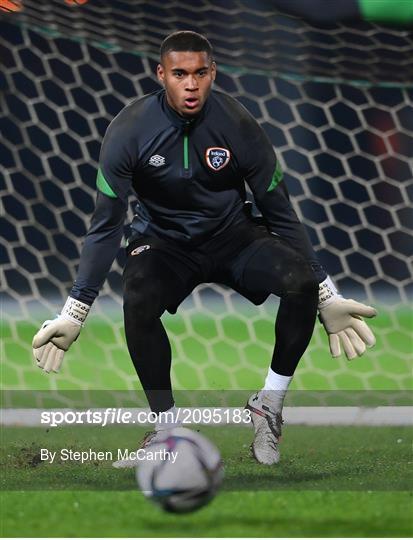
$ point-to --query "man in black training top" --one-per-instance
(187, 152)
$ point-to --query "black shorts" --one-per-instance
(245, 257)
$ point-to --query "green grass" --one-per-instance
(237, 514)
(331, 482)
(335, 481)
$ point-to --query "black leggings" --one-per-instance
(160, 277)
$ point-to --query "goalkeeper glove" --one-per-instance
(342, 322)
(56, 336)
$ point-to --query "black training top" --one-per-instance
(189, 176)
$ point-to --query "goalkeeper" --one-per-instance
(187, 153)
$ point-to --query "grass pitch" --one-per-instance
(332, 482)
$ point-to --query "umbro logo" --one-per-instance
(157, 161)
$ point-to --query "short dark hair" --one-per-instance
(184, 41)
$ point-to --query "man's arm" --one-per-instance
(99, 250)
(341, 318)
(264, 176)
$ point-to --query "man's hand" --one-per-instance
(52, 341)
(56, 336)
(342, 321)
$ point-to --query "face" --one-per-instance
(187, 78)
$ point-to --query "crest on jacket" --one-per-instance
(217, 158)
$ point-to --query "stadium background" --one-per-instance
(336, 102)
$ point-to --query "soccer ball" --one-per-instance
(181, 472)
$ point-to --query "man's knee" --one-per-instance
(143, 299)
(300, 279)
(309, 284)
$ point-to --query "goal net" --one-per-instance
(336, 102)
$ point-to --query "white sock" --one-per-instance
(275, 389)
(168, 419)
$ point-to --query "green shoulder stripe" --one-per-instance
(103, 186)
(276, 177)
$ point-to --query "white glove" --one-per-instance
(342, 321)
(56, 336)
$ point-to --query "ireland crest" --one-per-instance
(217, 158)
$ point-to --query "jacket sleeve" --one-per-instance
(102, 241)
(100, 248)
(264, 177)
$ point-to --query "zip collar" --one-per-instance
(180, 121)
